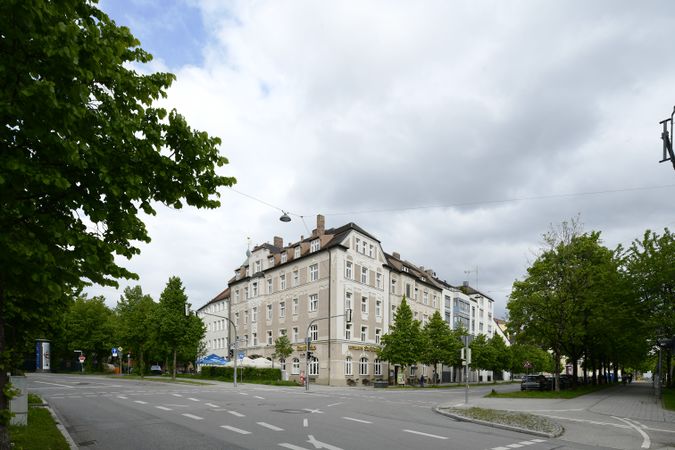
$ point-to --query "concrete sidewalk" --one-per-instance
(622, 417)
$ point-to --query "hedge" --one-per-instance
(243, 373)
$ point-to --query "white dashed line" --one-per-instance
(163, 408)
(235, 413)
(191, 416)
(425, 434)
(334, 404)
(271, 427)
(141, 402)
(236, 430)
(176, 395)
(212, 405)
(257, 396)
(292, 447)
(515, 446)
(356, 420)
(305, 423)
(122, 397)
(243, 393)
(193, 399)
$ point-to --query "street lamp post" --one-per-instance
(236, 340)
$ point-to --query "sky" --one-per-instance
(456, 132)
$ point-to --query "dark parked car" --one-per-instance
(535, 383)
(155, 370)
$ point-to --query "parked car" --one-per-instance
(156, 370)
(534, 383)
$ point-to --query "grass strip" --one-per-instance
(568, 393)
(669, 399)
(40, 433)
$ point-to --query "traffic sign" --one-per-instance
(527, 365)
(241, 355)
(114, 352)
(82, 358)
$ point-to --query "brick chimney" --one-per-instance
(396, 255)
(320, 224)
(278, 242)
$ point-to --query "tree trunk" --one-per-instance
(4, 379)
(141, 361)
(173, 369)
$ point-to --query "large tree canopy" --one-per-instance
(83, 152)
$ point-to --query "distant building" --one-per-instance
(214, 315)
(292, 289)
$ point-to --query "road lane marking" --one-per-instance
(646, 442)
(163, 408)
(236, 430)
(514, 446)
(538, 441)
(334, 404)
(317, 411)
(122, 397)
(425, 434)
(235, 413)
(305, 422)
(212, 405)
(356, 420)
(192, 416)
(243, 393)
(257, 396)
(271, 427)
(318, 444)
(141, 402)
(193, 399)
(55, 384)
(176, 395)
(292, 447)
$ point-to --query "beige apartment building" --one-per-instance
(303, 289)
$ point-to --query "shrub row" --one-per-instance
(245, 373)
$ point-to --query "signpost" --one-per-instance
(465, 355)
(82, 358)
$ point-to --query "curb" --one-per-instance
(59, 425)
(558, 432)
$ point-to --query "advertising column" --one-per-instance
(42, 363)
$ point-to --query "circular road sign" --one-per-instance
(82, 358)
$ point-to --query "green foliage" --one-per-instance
(135, 317)
(41, 433)
(282, 347)
(403, 342)
(441, 345)
(245, 373)
(541, 360)
(482, 353)
(89, 327)
(502, 354)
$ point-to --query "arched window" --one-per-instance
(377, 367)
(314, 366)
(363, 366)
(348, 365)
(295, 370)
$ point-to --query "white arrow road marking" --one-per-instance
(646, 442)
(425, 434)
(236, 430)
(192, 416)
(356, 420)
(271, 427)
(318, 444)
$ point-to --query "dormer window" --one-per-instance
(297, 252)
(247, 271)
(315, 245)
(258, 266)
(270, 261)
(284, 257)
(405, 269)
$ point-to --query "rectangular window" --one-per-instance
(246, 292)
(282, 332)
(426, 297)
(295, 368)
(269, 312)
(282, 310)
(295, 334)
(349, 272)
(236, 317)
(270, 261)
(236, 296)
(246, 317)
(364, 333)
(364, 275)
(434, 302)
(377, 367)
(357, 245)
(364, 305)
(315, 245)
(284, 257)
(269, 285)
(363, 366)
(348, 365)
(254, 315)
(378, 335)
(314, 332)
(313, 272)
(254, 288)
(258, 266)
(393, 286)
(295, 306)
(371, 252)
(417, 293)
(269, 337)
(348, 331)
(348, 300)
(296, 252)
(296, 277)
(282, 281)
(378, 279)
(408, 290)
(378, 308)
(255, 338)
(313, 302)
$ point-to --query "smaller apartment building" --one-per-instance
(303, 289)
(214, 315)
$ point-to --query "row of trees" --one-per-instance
(408, 343)
(146, 329)
(605, 308)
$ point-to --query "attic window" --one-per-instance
(284, 256)
(315, 245)
(405, 269)
(297, 252)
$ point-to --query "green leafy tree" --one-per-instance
(193, 347)
(282, 347)
(482, 353)
(135, 315)
(502, 354)
(540, 360)
(90, 327)
(404, 343)
(441, 345)
(174, 329)
(83, 152)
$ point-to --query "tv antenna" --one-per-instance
(667, 137)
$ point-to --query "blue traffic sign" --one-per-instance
(241, 355)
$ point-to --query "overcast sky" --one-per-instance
(454, 132)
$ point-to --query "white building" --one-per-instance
(214, 315)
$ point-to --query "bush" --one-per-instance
(244, 373)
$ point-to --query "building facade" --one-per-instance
(303, 289)
(214, 315)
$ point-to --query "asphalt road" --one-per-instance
(117, 413)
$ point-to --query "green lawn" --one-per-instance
(40, 433)
(669, 399)
(568, 393)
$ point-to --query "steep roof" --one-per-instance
(222, 296)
